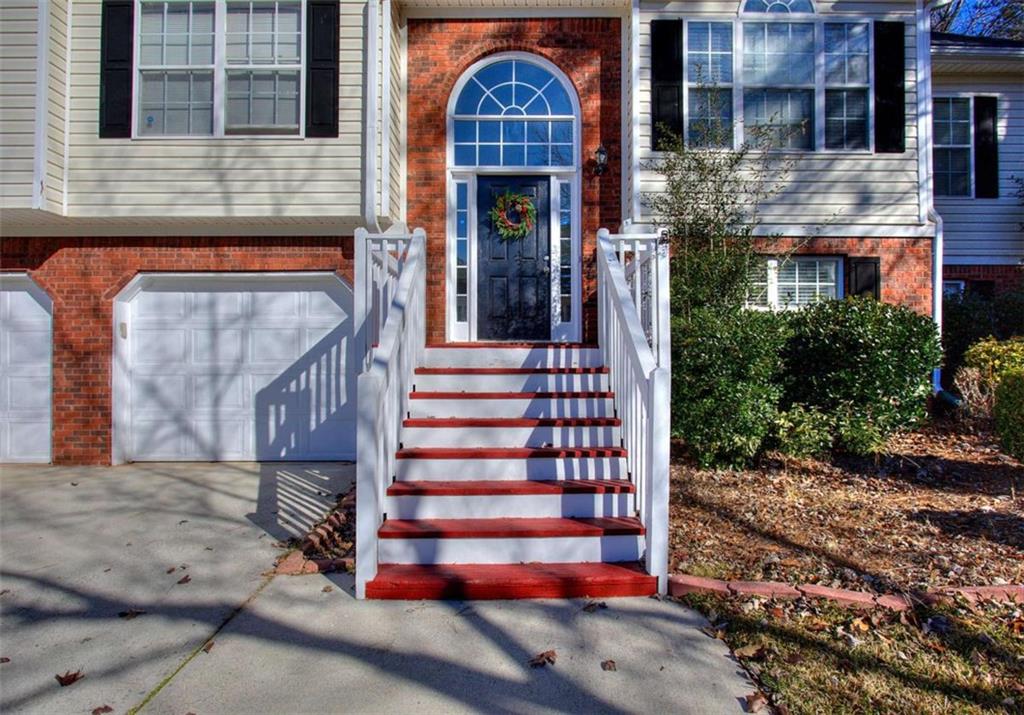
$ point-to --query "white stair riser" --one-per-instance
(521, 506)
(511, 382)
(510, 437)
(512, 357)
(411, 470)
(591, 549)
(526, 407)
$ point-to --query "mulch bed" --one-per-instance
(942, 508)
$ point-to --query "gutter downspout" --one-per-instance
(924, 153)
(42, 114)
(370, 117)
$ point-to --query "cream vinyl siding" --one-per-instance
(18, 41)
(856, 189)
(56, 113)
(988, 231)
(224, 177)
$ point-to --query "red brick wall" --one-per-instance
(1005, 278)
(587, 50)
(84, 275)
(906, 264)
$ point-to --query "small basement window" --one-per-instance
(794, 282)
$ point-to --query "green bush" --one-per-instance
(1009, 412)
(803, 432)
(994, 358)
(866, 362)
(726, 382)
(968, 318)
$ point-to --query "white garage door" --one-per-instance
(25, 338)
(238, 367)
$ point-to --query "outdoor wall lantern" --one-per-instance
(600, 160)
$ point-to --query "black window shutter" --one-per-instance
(322, 31)
(890, 88)
(666, 79)
(116, 48)
(986, 150)
(864, 277)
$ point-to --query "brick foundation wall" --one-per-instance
(1002, 278)
(83, 277)
(587, 50)
(906, 263)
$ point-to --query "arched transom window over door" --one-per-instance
(514, 114)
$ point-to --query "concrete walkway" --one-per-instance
(78, 546)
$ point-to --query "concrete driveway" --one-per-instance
(79, 546)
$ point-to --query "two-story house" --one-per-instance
(198, 198)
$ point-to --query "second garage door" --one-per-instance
(235, 367)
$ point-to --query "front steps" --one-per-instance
(510, 481)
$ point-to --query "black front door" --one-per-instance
(513, 276)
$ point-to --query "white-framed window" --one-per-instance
(847, 85)
(219, 67)
(176, 68)
(779, 86)
(953, 289)
(709, 79)
(953, 153)
(462, 252)
(565, 252)
(514, 113)
(807, 80)
(794, 281)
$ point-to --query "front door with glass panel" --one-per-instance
(513, 271)
(513, 131)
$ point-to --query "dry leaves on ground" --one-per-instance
(540, 660)
(595, 606)
(130, 614)
(609, 665)
(69, 678)
(185, 579)
(756, 702)
(102, 710)
(942, 508)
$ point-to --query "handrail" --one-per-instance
(379, 262)
(636, 348)
(383, 395)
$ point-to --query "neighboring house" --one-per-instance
(207, 254)
(979, 152)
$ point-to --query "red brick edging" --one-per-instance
(681, 585)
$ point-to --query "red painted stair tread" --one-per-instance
(509, 453)
(595, 395)
(494, 581)
(511, 488)
(512, 371)
(491, 345)
(509, 528)
(437, 422)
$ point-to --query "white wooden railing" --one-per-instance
(633, 333)
(380, 259)
(384, 386)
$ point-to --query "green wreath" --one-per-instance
(508, 229)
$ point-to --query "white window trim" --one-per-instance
(772, 267)
(953, 288)
(738, 86)
(969, 96)
(572, 330)
(220, 69)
